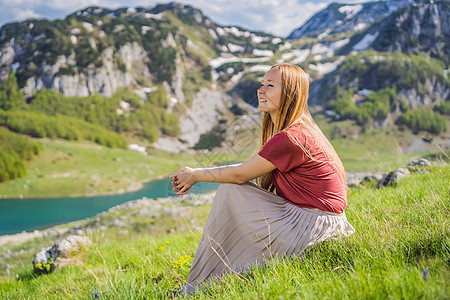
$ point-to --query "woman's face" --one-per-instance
(269, 94)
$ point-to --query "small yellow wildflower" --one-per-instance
(167, 242)
(89, 265)
(38, 266)
(161, 248)
(181, 261)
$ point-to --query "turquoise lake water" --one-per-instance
(17, 215)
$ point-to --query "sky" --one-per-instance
(279, 17)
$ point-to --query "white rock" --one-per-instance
(61, 249)
(71, 243)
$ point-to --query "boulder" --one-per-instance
(421, 162)
(393, 177)
(70, 243)
(44, 260)
(354, 179)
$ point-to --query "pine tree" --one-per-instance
(10, 95)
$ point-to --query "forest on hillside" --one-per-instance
(49, 114)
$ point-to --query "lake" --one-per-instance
(17, 215)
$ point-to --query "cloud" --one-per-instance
(279, 17)
(26, 14)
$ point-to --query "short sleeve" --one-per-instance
(283, 152)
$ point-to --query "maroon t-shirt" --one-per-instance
(300, 180)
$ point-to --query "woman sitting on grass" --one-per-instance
(300, 197)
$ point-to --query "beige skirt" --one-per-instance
(248, 225)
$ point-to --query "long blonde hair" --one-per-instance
(294, 109)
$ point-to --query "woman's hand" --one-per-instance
(238, 173)
(183, 180)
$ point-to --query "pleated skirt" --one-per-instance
(248, 225)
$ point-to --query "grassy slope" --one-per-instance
(378, 150)
(67, 168)
(400, 232)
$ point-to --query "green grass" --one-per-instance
(83, 168)
(69, 168)
(401, 231)
(379, 150)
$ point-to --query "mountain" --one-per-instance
(172, 46)
(193, 69)
(407, 50)
(96, 50)
(421, 27)
(338, 17)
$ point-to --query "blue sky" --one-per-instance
(278, 17)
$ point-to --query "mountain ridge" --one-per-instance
(341, 17)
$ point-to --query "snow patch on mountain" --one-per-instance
(323, 34)
(360, 26)
(88, 26)
(221, 32)
(235, 48)
(259, 39)
(237, 32)
(217, 62)
(338, 44)
(326, 67)
(321, 51)
(276, 41)
(213, 34)
(235, 79)
(365, 42)
(154, 16)
(259, 52)
(350, 10)
(299, 54)
(285, 46)
(260, 68)
(144, 29)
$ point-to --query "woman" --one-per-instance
(301, 193)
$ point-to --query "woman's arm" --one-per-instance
(239, 173)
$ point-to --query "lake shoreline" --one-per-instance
(63, 228)
(136, 186)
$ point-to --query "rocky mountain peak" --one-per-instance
(338, 17)
(422, 26)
